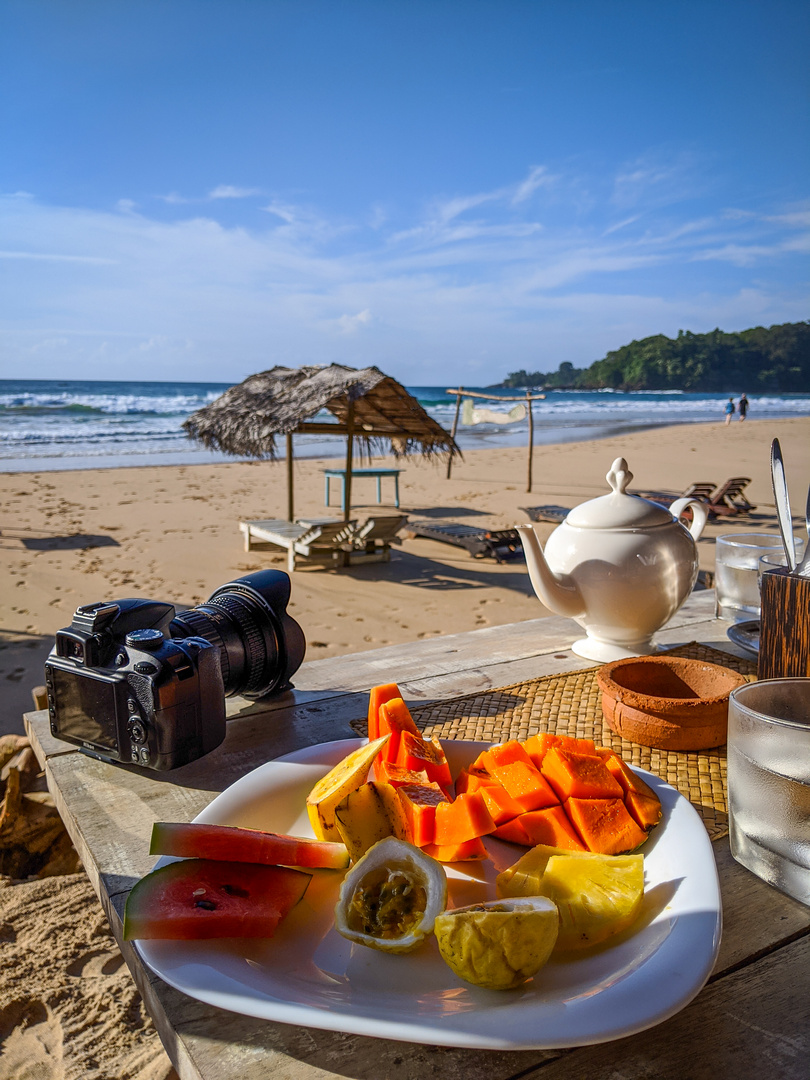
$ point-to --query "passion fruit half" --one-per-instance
(391, 897)
(499, 944)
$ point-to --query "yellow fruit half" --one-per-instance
(346, 777)
(391, 897)
(523, 879)
(369, 814)
(500, 944)
(596, 897)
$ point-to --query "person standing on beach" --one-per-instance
(729, 410)
(743, 406)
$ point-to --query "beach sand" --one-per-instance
(171, 533)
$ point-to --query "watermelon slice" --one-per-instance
(198, 899)
(195, 840)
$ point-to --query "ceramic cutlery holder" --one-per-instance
(784, 636)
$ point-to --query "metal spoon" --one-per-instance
(780, 494)
(803, 569)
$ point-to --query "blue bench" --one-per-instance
(378, 474)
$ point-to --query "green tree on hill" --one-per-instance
(775, 359)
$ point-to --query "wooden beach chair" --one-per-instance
(324, 540)
(728, 499)
(701, 490)
(556, 514)
(372, 541)
(500, 544)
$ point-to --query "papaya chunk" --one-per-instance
(419, 801)
(388, 772)
(514, 832)
(537, 746)
(525, 784)
(465, 852)
(377, 695)
(499, 802)
(579, 776)
(504, 754)
(421, 756)
(604, 825)
(395, 719)
(465, 818)
(644, 811)
(552, 828)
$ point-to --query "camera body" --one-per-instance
(133, 683)
(124, 692)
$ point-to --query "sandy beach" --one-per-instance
(171, 533)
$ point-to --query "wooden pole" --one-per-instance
(531, 439)
(289, 476)
(455, 428)
(347, 487)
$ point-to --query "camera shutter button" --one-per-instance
(145, 639)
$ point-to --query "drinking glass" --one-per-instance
(736, 573)
(769, 782)
(779, 558)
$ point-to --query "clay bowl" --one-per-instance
(667, 701)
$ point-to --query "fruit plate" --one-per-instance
(309, 975)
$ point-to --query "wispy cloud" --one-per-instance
(534, 271)
(228, 191)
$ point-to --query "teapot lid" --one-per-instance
(619, 510)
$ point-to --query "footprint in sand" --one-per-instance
(96, 964)
(31, 1040)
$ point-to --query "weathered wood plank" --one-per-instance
(752, 1023)
(756, 917)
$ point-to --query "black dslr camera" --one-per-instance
(129, 681)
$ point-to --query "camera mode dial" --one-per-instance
(148, 639)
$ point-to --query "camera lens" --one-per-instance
(260, 645)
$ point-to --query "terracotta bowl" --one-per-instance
(667, 701)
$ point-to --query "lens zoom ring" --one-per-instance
(205, 627)
(256, 653)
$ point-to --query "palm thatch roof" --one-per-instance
(368, 405)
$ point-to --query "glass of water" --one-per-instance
(769, 782)
(736, 573)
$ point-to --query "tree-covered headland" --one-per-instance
(775, 358)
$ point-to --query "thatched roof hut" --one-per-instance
(368, 406)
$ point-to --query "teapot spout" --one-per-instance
(557, 591)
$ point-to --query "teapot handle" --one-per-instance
(700, 514)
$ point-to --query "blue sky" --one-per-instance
(449, 189)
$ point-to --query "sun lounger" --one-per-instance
(546, 513)
(729, 499)
(501, 544)
(372, 541)
(323, 540)
(722, 500)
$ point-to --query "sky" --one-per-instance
(452, 190)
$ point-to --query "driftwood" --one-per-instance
(33, 839)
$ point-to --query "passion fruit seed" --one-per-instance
(387, 904)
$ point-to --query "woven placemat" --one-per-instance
(571, 704)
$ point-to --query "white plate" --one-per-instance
(309, 975)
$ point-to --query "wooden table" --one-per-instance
(751, 1020)
(378, 474)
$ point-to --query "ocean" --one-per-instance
(62, 424)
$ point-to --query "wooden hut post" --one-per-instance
(289, 477)
(347, 487)
(455, 426)
(531, 439)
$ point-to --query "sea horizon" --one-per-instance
(60, 424)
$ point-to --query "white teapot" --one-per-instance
(619, 565)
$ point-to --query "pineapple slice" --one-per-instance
(347, 776)
(597, 896)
